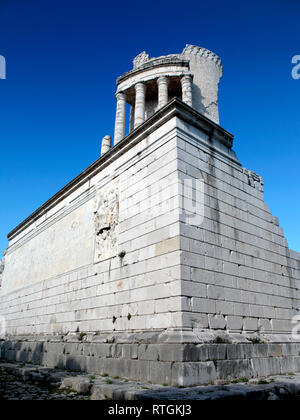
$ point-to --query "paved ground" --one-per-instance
(29, 382)
(14, 388)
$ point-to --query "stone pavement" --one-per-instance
(30, 382)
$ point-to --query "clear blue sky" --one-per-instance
(63, 58)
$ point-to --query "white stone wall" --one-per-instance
(53, 248)
(55, 283)
(237, 271)
(231, 269)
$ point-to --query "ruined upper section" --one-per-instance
(192, 76)
(140, 59)
(203, 52)
(189, 50)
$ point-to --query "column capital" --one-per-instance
(140, 86)
(120, 96)
(186, 78)
(163, 79)
(106, 144)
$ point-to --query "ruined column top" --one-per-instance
(204, 67)
(172, 66)
(144, 62)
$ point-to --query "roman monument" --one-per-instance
(161, 261)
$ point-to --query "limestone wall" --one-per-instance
(238, 273)
(117, 252)
(105, 258)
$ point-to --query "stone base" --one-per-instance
(178, 358)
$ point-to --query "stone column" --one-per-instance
(120, 117)
(139, 110)
(162, 83)
(105, 145)
(131, 119)
(186, 85)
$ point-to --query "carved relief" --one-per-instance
(106, 219)
(140, 59)
(254, 180)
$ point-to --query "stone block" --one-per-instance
(260, 350)
(129, 351)
(197, 320)
(250, 324)
(264, 325)
(148, 352)
(75, 363)
(288, 364)
(207, 306)
(235, 351)
(115, 367)
(274, 350)
(194, 353)
(94, 365)
(231, 369)
(161, 372)
(173, 352)
(290, 349)
(217, 322)
(234, 323)
(247, 350)
(191, 374)
(216, 351)
(266, 366)
(78, 384)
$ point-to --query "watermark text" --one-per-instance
(296, 68)
(2, 67)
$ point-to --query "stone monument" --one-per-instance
(161, 261)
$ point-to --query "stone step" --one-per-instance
(104, 387)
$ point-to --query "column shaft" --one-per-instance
(162, 83)
(139, 110)
(120, 117)
(131, 118)
(106, 144)
(186, 85)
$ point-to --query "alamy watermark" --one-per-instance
(2, 67)
(151, 198)
(296, 68)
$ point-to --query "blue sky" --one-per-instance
(63, 58)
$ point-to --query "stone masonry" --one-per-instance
(161, 261)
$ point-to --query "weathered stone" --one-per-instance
(148, 352)
(217, 322)
(161, 261)
(105, 145)
(38, 382)
(188, 374)
(235, 352)
(79, 384)
(106, 213)
(216, 351)
(231, 369)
